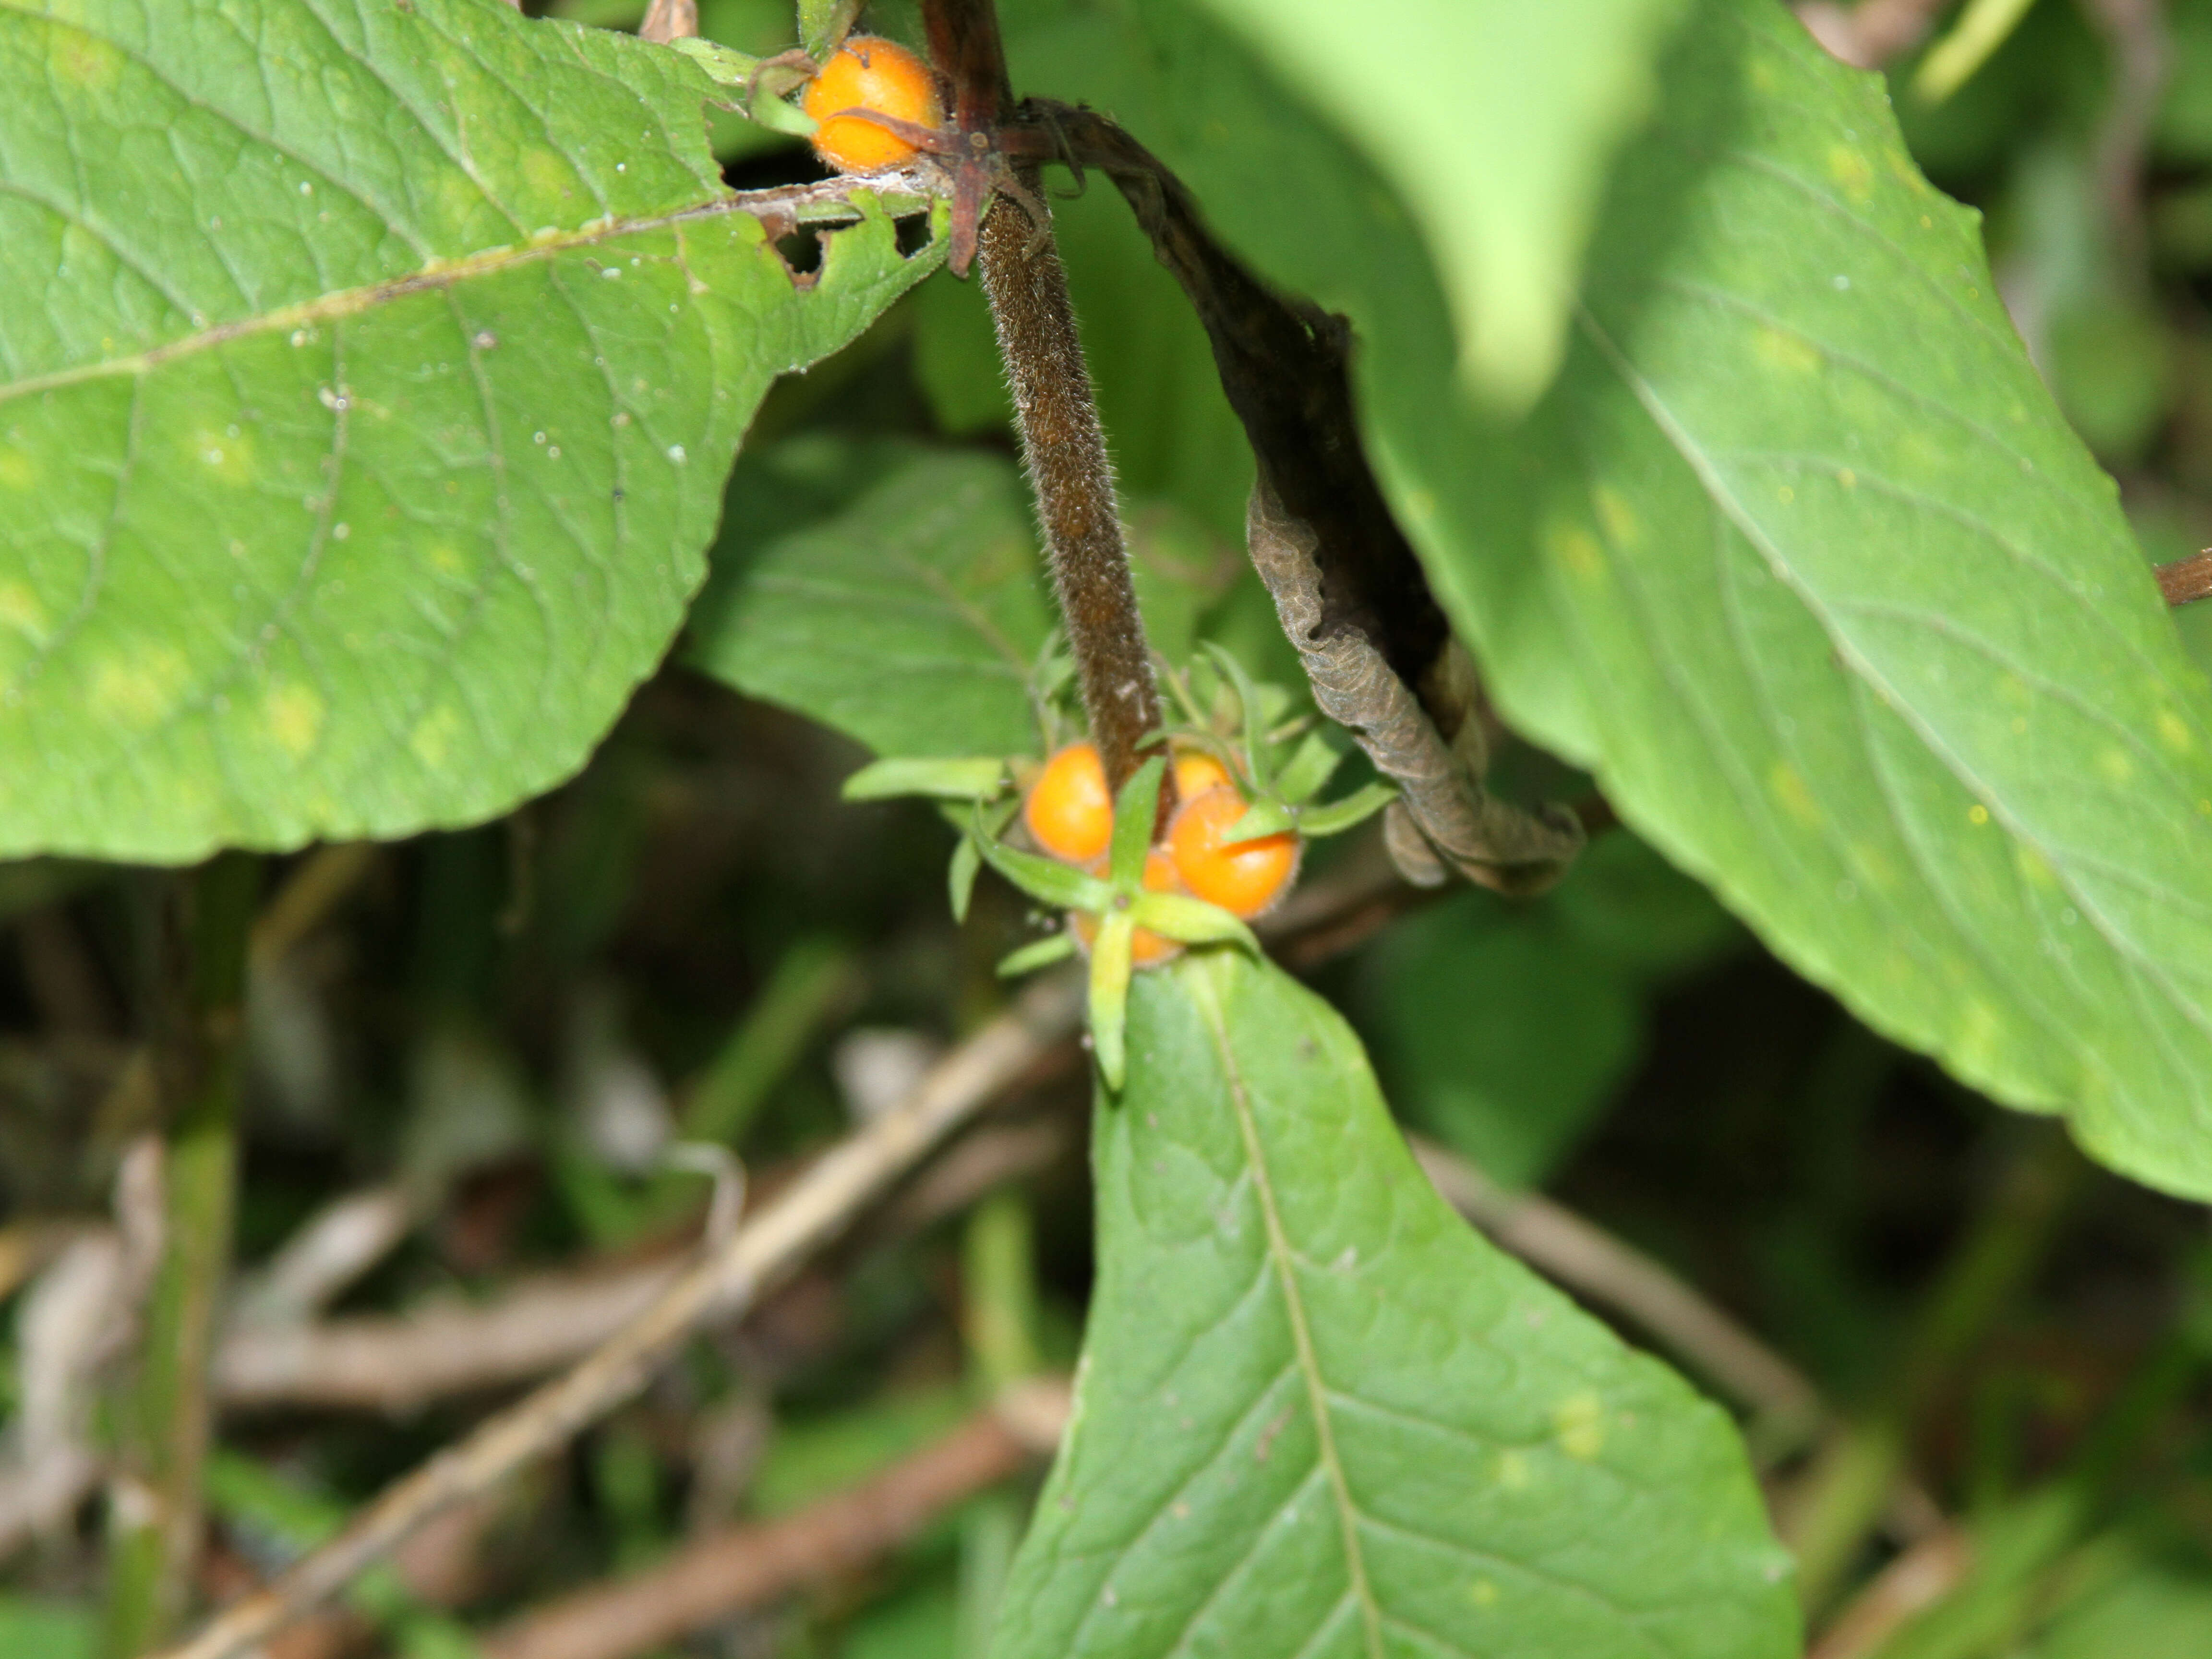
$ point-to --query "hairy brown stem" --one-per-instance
(1066, 449)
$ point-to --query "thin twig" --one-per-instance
(753, 1566)
(1915, 1581)
(1590, 1261)
(2186, 580)
(314, 888)
(398, 1363)
(813, 1210)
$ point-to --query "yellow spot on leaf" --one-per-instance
(229, 457)
(84, 60)
(1512, 1470)
(1788, 789)
(295, 713)
(2115, 766)
(1785, 495)
(17, 469)
(142, 690)
(1482, 1593)
(2034, 868)
(1579, 1420)
(547, 174)
(1779, 348)
(1574, 547)
(1978, 814)
(2175, 730)
(445, 561)
(1622, 528)
(1849, 479)
(19, 610)
(433, 737)
(1852, 172)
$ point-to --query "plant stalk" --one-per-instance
(160, 1423)
(1064, 447)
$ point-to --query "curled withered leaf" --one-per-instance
(1443, 819)
(1346, 584)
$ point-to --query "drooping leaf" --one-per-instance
(368, 380)
(1494, 120)
(1798, 557)
(909, 617)
(1320, 1416)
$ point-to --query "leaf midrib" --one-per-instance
(1284, 1261)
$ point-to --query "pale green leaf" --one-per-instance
(1191, 922)
(368, 380)
(976, 778)
(1494, 120)
(1335, 816)
(908, 615)
(1319, 1416)
(1041, 953)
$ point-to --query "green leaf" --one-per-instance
(1191, 922)
(824, 23)
(1334, 818)
(967, 779)
(1262, 817)
(908, 617)
(1108, 994)
(51, 1630)
(1312, 766)
(1801, 560)
(1135, 809)
(368, 380)
(1042, 953)
(1494, 120)
(1318, 1415)
(1046, 880)
(1500, 1031)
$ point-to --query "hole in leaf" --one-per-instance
(913, 234)
(801, 253)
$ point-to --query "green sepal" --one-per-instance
(1044, 879)
(1254, 716)
(1261, 817)
(824, 24)
(1109, 995)
(1312, 765)
(1339, 816)
(960, 876)
(981, 778)
(1191, 922)
(1134, 809)
(764, 84)
(1040, 954)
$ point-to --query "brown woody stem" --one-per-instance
(1066, 449)
(2187, 580)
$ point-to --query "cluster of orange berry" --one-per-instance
(1069, 813)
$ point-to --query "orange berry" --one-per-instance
(1244, 878)
(1196, 772)
(1146, 948)
(1070, 812)
(869, 72)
